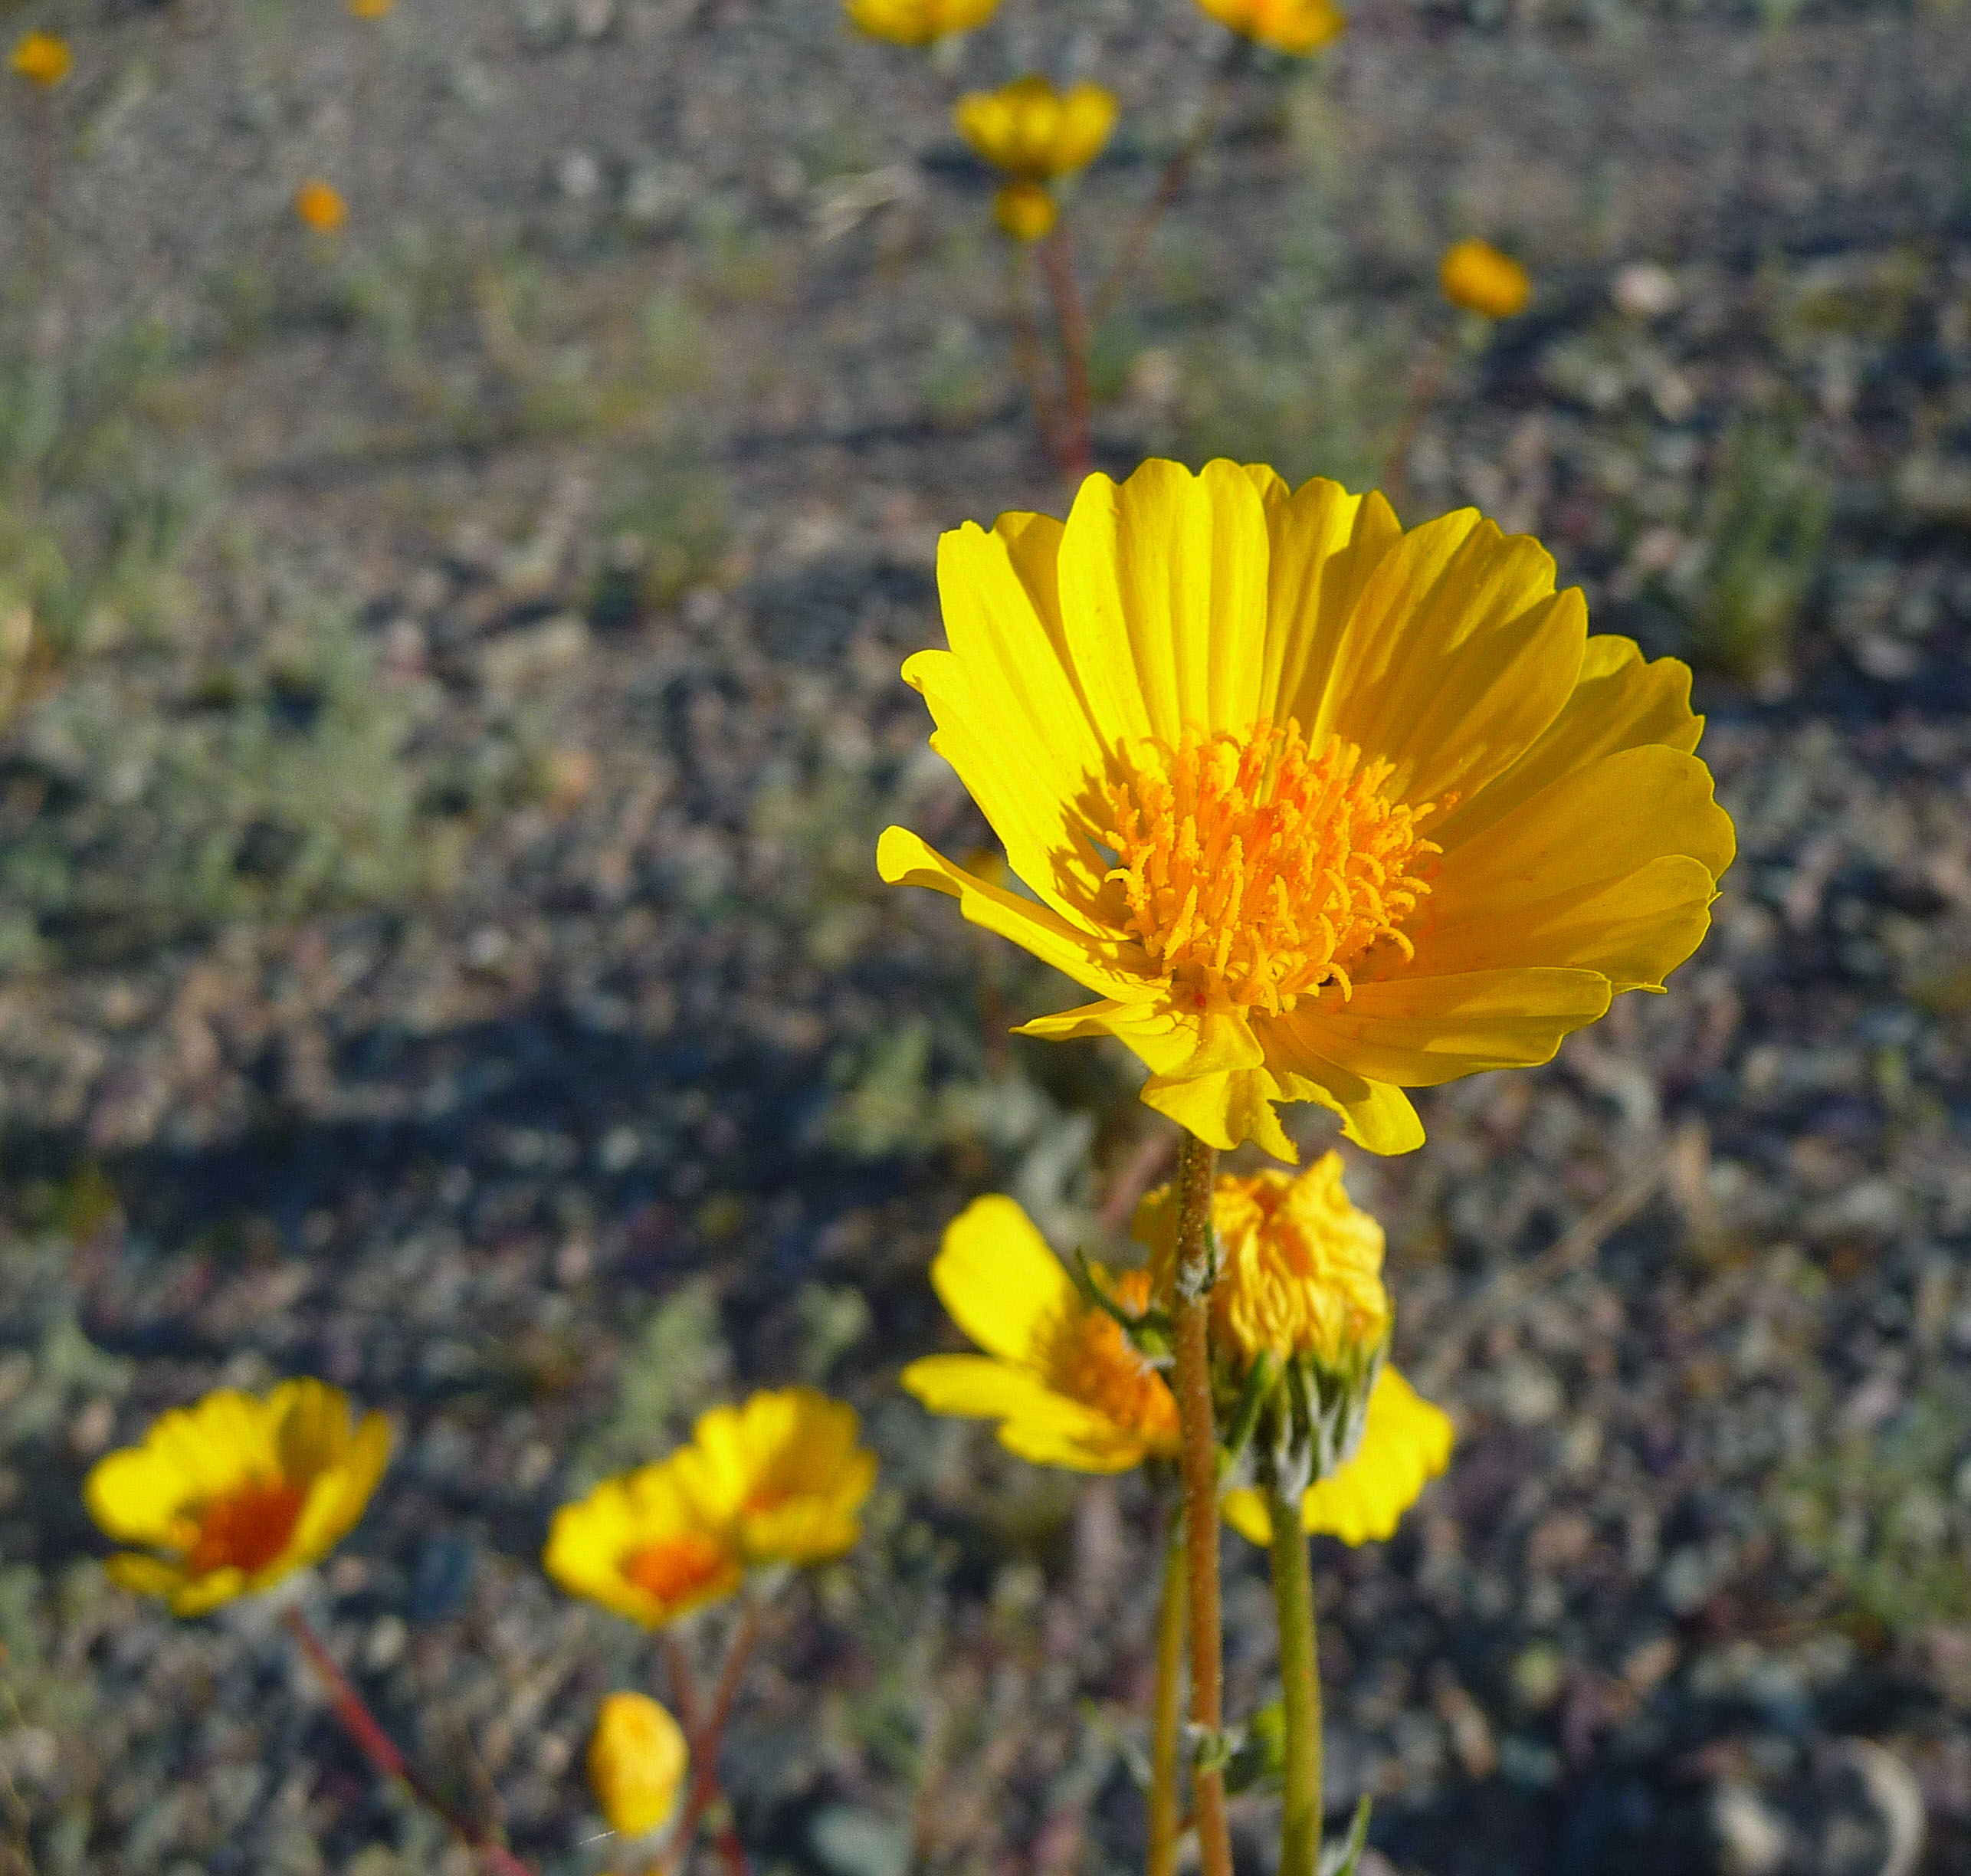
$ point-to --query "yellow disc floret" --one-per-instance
(1258, 869)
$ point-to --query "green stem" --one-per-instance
(1198, 1465)
(1166, 1815)
(1300, 1687)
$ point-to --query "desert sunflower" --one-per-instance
(1296, 26)
(236, 1492)
(919, 22)
(1058, 1373)
(1319, 809)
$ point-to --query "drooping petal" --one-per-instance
(998, 1278)
(1421, 1032)
(1376, 1115)
(905, 859)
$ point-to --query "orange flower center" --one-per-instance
(676, 1569)
(1257, 870)
(1086, 1356)
(246, 1528)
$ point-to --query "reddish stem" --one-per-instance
(381, 1750)
(1074, 454)
(705, 1743)
(1027, 360)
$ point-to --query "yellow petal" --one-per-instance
(1376, 1115)
(1075, 1441)
(975, 1387)
(1323, 544)
(1620, 703)
(905, 859)
(1418, 1032)
(998, 1279)
(1088, 116)
(144, 1576)
(1163, 590)
(1456, 655)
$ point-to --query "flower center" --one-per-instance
(246, 1528)
(676, 1568)
(1257, 871)
(1086, 1356)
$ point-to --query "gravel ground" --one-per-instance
(444, 953)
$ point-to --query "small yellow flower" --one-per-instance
(783, 1474)
(1026, 210)
(637, 1758)
(1475, 275)
(919, 22)
(1316, 809)
(371, 9)
(237, 1492)
(320, 206)
(780, 1480)
(42, 58)
(1060, 1376)
(1406, 1443)
(1298, 26)
(644, 1546)
(1034, 132)
(1301, 1266)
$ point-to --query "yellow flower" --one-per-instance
(1059, 1376)
(371, 9)
(1318, 809)
(1026, 210)
(918, 22)
(637, 1758)
(320, 206)
(783, 1474)
(42, 58)
(1300, 1270)
(1406, 1443)
(237, 1492)
(1033, 132)
(1475, 275)
(644, 1546)
(779, 1480)
(1297, 26)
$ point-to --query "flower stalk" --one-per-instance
(705, 1742)
(375, 1745)
(1198, 1465)
(1073, 450)
(1166, 1807)
(1300, 1685)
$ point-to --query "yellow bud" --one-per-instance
(1475, 275)
(320, 206)
(637, 1761)
(1025, 210)
(42, 59)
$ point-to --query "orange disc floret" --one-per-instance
(1257, 870)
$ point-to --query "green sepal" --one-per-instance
(1261, 1379)
(1150, 1333)
(1260, 1763)
(1342, 1857)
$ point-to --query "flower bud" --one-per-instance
(1475, 275)
(637, 1762)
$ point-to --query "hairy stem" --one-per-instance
(1166, 1809)
(1300, 1687)
(375, 1745)
(1199, 1468)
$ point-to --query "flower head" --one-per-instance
(1058, 1374)
(1475, 275)
(371, 9)
(1034, 132)
(42, 58)
(1300, 1267)
(644, 1544)
(637, 1758)
(1406, 1443)
(779, 1480)
(1318, 808)
(783, 1474)
(919, 22)
(236, 1492)
(1026, 210)
(319, 205)
(1298, 26)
